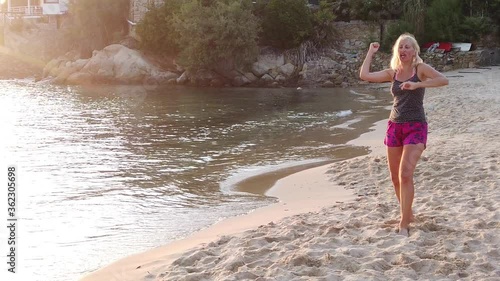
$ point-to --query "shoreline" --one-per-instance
(261, 183)
(290, 202)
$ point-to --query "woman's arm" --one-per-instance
(377, 77)
(429, 76)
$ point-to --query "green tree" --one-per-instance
(367, 10)
(412, 20)
(156, 30)
(394, 30)
(495, 17)
(473, 28)
(323, 30)
(414, 14)
(286, 23)
(214, 32)
(97, 23)
(444, 18)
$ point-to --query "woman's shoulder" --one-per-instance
(425, 71)
(391, 73)
(422, 65)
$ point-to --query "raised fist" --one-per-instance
(374, 47)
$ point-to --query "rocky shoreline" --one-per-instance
(119, 64)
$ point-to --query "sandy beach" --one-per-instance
(338, 221)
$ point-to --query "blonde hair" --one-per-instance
(395, 61)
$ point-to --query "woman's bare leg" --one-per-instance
(394, 161)
(411, 155)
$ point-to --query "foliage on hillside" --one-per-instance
(286, 23)
(203, 32)
(366, 10)
(289, 23)
(216, 31)
(157, 29)
(447, 20)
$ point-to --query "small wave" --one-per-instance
(243, 173)
(344, 113)
(206, 158)
(173, 170)
(346, 125)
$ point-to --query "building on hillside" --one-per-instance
(23, 8)
(55, 7)
(34, 8)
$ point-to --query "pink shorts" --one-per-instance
(400, 134)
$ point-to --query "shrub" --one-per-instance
(495, 17)
(414, 14)
(156, 30)
(473, 28)
(374, 10)
(394, 30)
(213, 32)
(323, 30)
(286, 23)
(444, 18)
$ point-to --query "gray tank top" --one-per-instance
(408, 105)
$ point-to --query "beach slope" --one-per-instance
(457, 198)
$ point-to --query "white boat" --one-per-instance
(464, 47)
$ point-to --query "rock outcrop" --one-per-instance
(113, 64)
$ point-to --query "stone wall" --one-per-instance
(355, 36)
(455, 60)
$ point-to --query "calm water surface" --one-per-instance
(108, 171)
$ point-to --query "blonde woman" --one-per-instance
(406, 135)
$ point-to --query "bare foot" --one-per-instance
(404, 232)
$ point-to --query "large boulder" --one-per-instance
(318, 71)
(268, 59)
(239, 81)
(64, 71)
(267, 79)
(113, 64)
(119, 63)
(287, 70)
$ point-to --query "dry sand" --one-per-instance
(337, 222)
